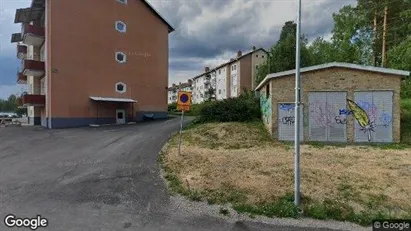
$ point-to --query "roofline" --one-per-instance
(229, 62)
(170, 28)
(334, 64)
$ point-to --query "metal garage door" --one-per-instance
(327, 116)
(286, 122)
(376, 124)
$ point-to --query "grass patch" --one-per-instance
(239, 164)
(406, 121)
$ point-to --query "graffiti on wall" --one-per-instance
(286, 116)
(323, 114)
(265, 104)
(363, 118)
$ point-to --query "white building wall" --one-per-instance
(234, 78)
(221, 83)
(198, 90)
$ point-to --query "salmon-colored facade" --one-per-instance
(106, 61)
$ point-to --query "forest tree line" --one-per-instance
(374, 33)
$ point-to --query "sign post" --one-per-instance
(183, 104)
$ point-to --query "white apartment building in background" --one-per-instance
(204, 86)
(229, 79)
(174, 89)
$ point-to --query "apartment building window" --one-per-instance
(121, 87)
(256, 56)
(122, 1)
(263, 56)
(219, 71)
(121, 27)
(121, 57)
(219, 91)
(256, 67)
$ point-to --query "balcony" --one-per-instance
(32, 68)
(33, 35)
(33, 100)
(21, 52)
(30, 35)
(21, 79)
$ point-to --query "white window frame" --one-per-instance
(122, 1)
(124, 87)
(124, 24)
(124, 55)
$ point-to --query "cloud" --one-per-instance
(211, 31)
(208, 32)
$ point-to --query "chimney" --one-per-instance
(239, 53)
(207, 69)
(254, 48)
(231, 59)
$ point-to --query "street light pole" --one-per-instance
(297, 112)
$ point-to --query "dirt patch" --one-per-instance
(217, 157)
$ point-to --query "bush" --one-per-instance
(406, 88)
(172, 107)
(246, 107)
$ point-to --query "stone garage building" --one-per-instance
(341, 102)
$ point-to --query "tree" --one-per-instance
(282, 54)
(321, 51)
(399, 57)
(10, 105)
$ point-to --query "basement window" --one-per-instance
(121, 27)
(121, 87)
(121, 57)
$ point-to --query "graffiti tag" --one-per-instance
(265, 105)
(289, 120)
(287, 107)
(340, 120)
(344, 111)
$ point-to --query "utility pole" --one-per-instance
(384, 37)
(297, 111)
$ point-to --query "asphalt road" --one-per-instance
(99, 179)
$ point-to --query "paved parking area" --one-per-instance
(96, 179)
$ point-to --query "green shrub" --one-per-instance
(406, 88)
(246, 107)
(172, 107)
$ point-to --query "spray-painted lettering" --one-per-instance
(289, 120)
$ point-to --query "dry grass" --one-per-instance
(242, 157)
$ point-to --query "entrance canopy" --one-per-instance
(118, 100)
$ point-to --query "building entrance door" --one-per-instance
(120, 116)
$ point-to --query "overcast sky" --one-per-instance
(208, 32)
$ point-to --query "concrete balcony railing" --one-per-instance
(33, 100)
(21, 79)
(32, 34)
(32, 68)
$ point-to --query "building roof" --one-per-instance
(229, 62)
(334, 64)
(170, 28)
(107, 99)
(179, 86)
(36, 11)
